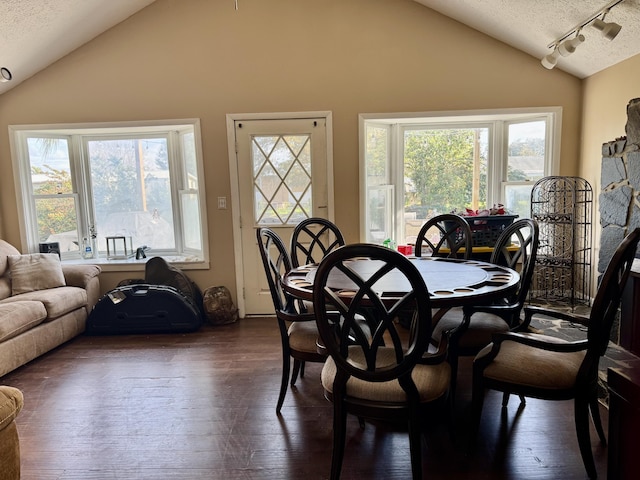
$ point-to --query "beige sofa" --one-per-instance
(11, 402)
(43, 303)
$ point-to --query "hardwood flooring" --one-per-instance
(202, 406)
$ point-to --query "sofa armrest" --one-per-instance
(11, 402)
(80, 275)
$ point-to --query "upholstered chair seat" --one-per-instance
(547, 370)
(432, 381)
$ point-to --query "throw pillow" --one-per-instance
(37, 271)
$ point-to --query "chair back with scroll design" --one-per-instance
(448, 232)
(312, 239)
(550, 368)
(298, 331)
(524, 234)
(387, 374)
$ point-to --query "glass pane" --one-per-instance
(526, 151)
(192, 230)
(376, 154)
(380, 219)
(518, 200)
(131, 187)
(444, 170)
(57, 221)
(190, 160)
(50, 166)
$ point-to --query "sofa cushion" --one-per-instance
(18, 317)
(56, 301)
(36, 271)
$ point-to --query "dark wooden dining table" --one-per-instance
(450, 282)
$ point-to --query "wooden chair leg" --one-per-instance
(477, 401)
(595, 415)
(297, 365)
(339, 438)
(415, 444)
(581, 413)
(286, 367)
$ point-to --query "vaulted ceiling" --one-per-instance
(36, 33)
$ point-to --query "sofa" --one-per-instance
(11, 402)
(43, 303)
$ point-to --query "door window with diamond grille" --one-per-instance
(282, 179)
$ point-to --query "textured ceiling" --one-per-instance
(531, 25)
(36, 33)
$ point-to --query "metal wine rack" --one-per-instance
(562, 206)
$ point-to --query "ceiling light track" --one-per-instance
(565, 46)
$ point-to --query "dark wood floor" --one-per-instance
(202, 406)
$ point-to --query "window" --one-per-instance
(420, 166)
(82, 184)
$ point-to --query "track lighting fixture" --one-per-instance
(565, 46)
(550, 60)
(5, 74)
(608, 30)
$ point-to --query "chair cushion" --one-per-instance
(534, 367)
(480, 330)
(303, 336)
(432, 381)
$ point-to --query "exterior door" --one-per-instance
(283, 178)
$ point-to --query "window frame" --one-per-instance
(497, 120)
(78, 136)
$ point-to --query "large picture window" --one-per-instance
(82, 184)
(415, 167)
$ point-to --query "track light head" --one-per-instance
(5, 74)
(550, 60)
(609, 30)
(567, 47)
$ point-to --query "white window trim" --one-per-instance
(23, 185)
(463, 118)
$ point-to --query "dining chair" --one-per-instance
(312, 239)
(298, 330)
(549, 368)
(471, 327)
(448, 232)
(387, 374)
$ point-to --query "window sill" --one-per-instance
(133, 265)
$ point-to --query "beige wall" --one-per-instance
(606, 95)
(202, 58)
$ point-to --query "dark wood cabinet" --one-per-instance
(624, 423)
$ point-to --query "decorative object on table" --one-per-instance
(218, 306)
(562, 206)
(119, 247)
(487, 224)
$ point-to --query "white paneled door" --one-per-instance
(282, 178)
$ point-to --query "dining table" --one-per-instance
(450, 282)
